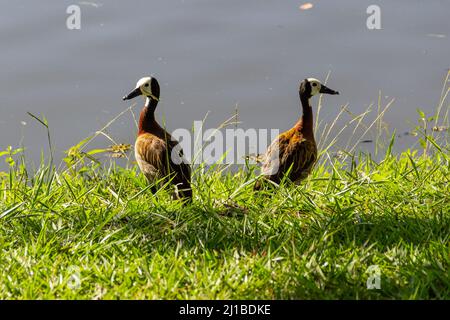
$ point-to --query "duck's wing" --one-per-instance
(159, 158)
(298, 159)
(291, 154)
(150, 154)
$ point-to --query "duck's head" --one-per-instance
(147, 87)
(311, 86)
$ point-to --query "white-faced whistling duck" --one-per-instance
(158, 155)
(294, 152)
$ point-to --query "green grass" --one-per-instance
(100, 234)
(87, 231)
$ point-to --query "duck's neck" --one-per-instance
(147, 120)
(307, 118)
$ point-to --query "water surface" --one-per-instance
(212, 56)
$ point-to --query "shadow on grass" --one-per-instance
(227, 228)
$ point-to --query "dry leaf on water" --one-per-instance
(306, 6)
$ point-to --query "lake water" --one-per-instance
(212, 56)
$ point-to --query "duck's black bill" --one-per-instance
(133, 94)
(325, 89)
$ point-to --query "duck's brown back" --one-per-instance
(158, 156)
(291, 153)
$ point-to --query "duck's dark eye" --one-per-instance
(146, 85)
(314, 84)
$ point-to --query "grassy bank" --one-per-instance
(100, 234)
(87, 231)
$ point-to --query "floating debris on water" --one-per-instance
(306, 6)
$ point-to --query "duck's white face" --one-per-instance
(144, 84)
(147, 87)
(311, 87)
(316, 85)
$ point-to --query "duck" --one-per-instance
(158, 155)
(293, 153)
